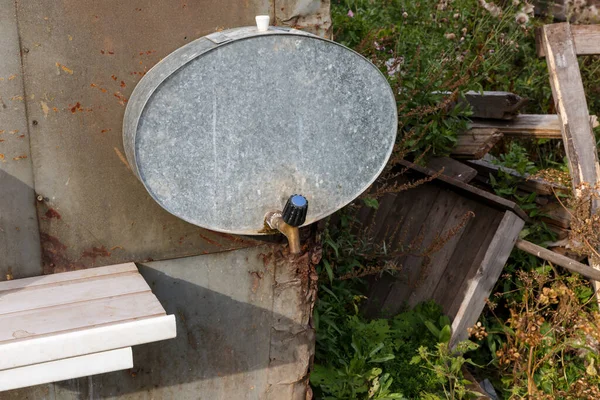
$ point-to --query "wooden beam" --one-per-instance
(480, 286)
(499, 203)
(475, 143)
(586, 40)
(527, 183)
(558, 259)
(571, 104)
(539, 126)
(452, 168)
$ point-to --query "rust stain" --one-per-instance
(54, 109)
(52, 213)
(122, 157)
(76, 107)
(105, 130)
(13, 76)
(138, 9)
(21, 157)
(99, 88)
(116, 247)
(21, 136)
(95, 252)
(123, 84)
(209, 240)
(2, 157)
(256, 278)
(114, 78)
(53, 256)
(1, 140)
(65, 68)
(2, 131)
(122, 99)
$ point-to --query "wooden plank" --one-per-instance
(586, 40)
(70, 292)
(527, 182)
(556, 214)
(480, 286)
(410, 207)
(571, 104)
(558, 259)
(431, 224)
(76, 367)
(87, 341)
(539, 126)
(494, 105)
(469, 191)
(452, 168)
(382, 224)
(67, 276)
(81, 315)
(466, 257)
(475, 143)
(431, 277)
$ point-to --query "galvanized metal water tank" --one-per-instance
(226, 128)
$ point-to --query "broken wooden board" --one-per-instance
(527, 183)
(538, 126)
(586, 40)
(465, 237)
(475, 143)
(452, 168)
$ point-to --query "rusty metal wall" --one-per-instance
(67, 69)
(19, 235)
(81, 60)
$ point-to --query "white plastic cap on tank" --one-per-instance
(262, 23)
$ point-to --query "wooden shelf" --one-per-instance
(52, 318)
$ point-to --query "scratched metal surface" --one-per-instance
(221, 135)
(19, 235)
(82, 60)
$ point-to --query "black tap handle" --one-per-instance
(294, 212)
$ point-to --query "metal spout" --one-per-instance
(275, 221)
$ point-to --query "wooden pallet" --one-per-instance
(74, 324)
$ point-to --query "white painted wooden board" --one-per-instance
(67, 276)
(55, 294)
(68, 317)
(75, 367)
(47, 348)
(54, 317)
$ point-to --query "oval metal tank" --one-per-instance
(226, 128)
